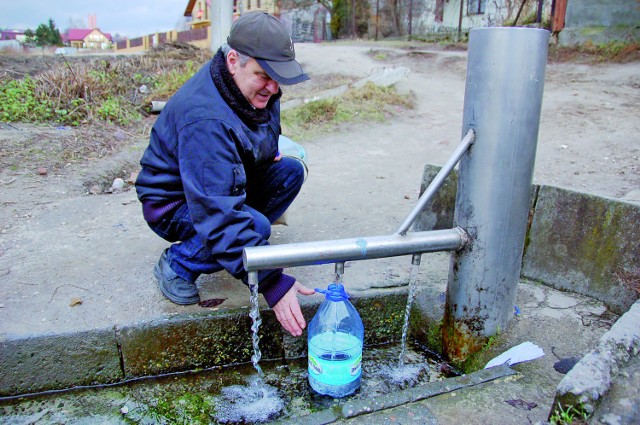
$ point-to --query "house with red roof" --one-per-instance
(9, 34)
(87, 39)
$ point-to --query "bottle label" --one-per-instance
(356, 368)
(336, 371)
(335, 358)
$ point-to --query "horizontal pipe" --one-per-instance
(340, 250)
(437, 181)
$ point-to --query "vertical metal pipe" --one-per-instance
(503, 99)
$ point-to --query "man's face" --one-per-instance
(253, 82)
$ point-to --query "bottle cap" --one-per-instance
(334, 292)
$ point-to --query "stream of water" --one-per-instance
(413, 284)
(255, 326)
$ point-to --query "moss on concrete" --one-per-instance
(383, 317)
(195, 341)
(426, 331)
(583, 244)
(50, 362)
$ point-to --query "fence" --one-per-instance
(199, 37)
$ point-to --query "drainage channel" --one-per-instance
(236, 395)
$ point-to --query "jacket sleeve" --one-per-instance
(214, 182)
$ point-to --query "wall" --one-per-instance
(496, 13)
(601, 21)
(10, 45)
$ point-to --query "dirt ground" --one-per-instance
(588, 138)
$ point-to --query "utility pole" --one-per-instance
(353, 18)
(539, 15)
(410, 19)
(377, 18)
(460, 21)
(221, 20)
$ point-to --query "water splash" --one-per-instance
(255, 402)
(413, 279)
(257, 321)
(403, 374)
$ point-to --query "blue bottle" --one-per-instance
(334, 341)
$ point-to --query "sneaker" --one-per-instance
(172, 286)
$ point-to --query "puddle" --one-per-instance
(224, 395)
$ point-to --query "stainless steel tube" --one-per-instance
(437, 181)
(340, 250)
(503, 100)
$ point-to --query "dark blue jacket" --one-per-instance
(201, 152)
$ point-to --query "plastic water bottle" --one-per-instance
(334, 340)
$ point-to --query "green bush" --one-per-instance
(117, 110)
(19, 101)
(170, 82)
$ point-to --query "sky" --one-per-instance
(130, 18)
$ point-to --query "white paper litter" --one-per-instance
(518, 354)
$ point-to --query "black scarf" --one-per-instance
(231, 94)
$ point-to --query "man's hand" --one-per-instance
(288, 309)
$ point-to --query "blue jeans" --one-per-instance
(269, 194)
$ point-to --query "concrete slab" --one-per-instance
(585, 244)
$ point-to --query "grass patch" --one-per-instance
(171, 81)
(81, 91)
(187, 408)
(20, 101)
(367, 103)
(615, 51)
(569, 415)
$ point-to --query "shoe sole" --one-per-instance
(176, 300)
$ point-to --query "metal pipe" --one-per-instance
(437, 181)
(364, 248)
(503, 100)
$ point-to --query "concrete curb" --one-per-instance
(169, 344)
(575, 242)
(585, 244)
(55, 361)
(591, 378)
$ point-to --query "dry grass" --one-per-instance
(590, 53)
(366, 103)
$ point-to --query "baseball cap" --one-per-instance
(264, 38)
